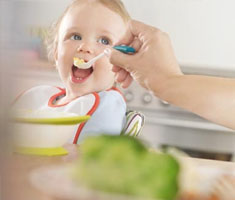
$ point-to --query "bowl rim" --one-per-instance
(70, 120)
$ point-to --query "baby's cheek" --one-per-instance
(105, 72)
(110, 75)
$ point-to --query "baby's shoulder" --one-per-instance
(112, 96)
(42, 89)
(112, 93)
(34, 97)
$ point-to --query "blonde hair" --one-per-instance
(52, 39)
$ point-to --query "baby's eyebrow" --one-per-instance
(108, 34)
(72, 29)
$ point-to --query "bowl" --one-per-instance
(43, 132)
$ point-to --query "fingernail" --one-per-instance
(107, 52)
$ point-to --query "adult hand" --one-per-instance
(153, 62)
(155, 67)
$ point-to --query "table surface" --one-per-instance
(16, 184)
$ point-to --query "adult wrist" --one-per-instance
(164, 87)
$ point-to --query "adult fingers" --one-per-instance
(121, 75)
(116, 69)
(136, 44)
(120, 59)
(128, 37)
(127, 82)
(134, 28)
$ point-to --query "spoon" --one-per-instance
(87, 65)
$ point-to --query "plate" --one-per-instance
(56, 182)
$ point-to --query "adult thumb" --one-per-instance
(120, 59)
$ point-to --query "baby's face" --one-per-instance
(85, 31)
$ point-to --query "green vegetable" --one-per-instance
(123, 165)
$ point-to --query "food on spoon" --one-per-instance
(123, 165)
(78, 61)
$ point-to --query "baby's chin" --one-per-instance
(87, 87)
(81, 91)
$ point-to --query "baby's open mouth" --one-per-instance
(80, 75)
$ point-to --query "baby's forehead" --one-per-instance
(82, 7)
(97, 17)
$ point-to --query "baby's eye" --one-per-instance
(104, 41)
(76, 37)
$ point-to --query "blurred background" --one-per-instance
(202, 33)
(5, 50)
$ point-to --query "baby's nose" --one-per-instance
(86, 48)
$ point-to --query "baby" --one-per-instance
(86, 29)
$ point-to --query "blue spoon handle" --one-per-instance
(125, 49)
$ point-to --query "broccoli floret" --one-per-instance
(122, 164)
